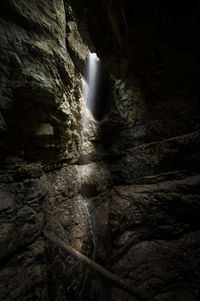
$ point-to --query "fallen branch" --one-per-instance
(115, 280)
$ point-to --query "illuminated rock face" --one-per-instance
(43, 86)
(43, 183)
(137, 168)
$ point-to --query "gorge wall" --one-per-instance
(133, 176)
(42, 59)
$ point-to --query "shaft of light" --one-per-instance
(93, 78)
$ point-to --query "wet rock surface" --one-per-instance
(79, 216)
(124, 190)
(40, 131)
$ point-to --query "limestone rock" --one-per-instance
(43, 89)
(95, 178)
(160, 219)
(146, 228)
(78, 50)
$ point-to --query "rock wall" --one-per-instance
(40, 85)
(37, 82)
(152, 136)
(154, 157)
(43, 184)
(125, 190)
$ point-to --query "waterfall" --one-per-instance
(91, 230)
(89, 87)
(92, 78)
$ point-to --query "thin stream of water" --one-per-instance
(88, 94)
(91, 230)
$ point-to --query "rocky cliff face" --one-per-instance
(158, 151)
(42, 57)
(124, 190)
(152, 134)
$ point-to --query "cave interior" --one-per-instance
(99, 146)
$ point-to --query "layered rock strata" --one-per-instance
(57, 175)
(44, 183)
